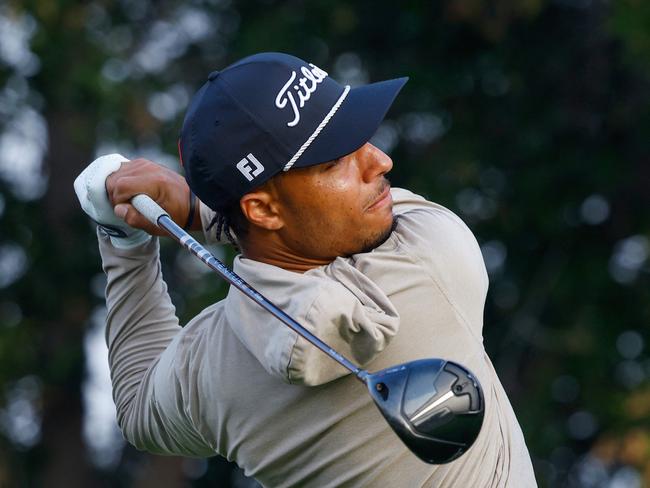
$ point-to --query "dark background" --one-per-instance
(530, 119)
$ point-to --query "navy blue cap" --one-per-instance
(268, 113)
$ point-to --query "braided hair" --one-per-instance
(232, 223)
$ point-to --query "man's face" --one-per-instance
(337, 208)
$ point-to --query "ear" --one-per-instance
(261, 209)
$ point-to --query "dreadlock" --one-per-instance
(230, 221)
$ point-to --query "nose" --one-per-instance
(373, 162)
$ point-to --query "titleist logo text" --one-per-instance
(303, 90)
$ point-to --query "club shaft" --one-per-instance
(188, 242)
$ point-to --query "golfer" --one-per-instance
(277, 160)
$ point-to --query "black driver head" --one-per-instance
(436, 407)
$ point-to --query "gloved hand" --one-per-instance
(90, 187)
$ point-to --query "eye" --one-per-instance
(333, 163)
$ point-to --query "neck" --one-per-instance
(268, 249)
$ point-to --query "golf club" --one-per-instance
(436, 407)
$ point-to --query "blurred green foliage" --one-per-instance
(530, 119)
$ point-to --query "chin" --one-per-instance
(379, 238)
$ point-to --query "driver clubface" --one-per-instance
(436, 407)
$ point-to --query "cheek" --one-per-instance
(328, 221)
(331, 205)
(340, 197)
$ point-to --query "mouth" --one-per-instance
(384, 198)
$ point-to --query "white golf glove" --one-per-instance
(90, 187)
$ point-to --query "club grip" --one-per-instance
(147, 207)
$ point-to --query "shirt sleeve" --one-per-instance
(446, 248)
(141, 325)
(405, 201)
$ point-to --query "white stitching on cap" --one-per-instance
(320, 127)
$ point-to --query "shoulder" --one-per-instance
(440, 242)
(429, 228)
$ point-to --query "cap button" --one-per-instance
(213, 75)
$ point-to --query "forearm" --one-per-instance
(140, 324)
(141, 320)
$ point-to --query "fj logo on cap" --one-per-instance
(250, 167)
(303, 89)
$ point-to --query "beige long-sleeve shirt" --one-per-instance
(235, 381)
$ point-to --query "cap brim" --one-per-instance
(354, 123)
